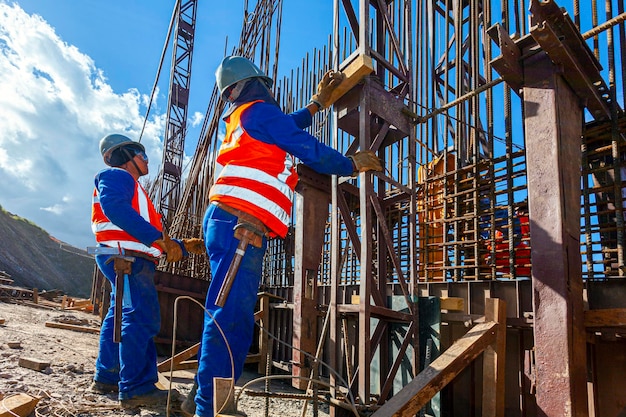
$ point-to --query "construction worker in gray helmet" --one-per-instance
(111, 143)
(237, 68)
(250, 202)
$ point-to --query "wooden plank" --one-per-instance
(609, 317)
(264, 339)
(33, 363)
(193, 364)
(452, 303)
(21, 405)
(72, 327)
(223, 397)
(354, 72)
(494, 361)
(439, 373)
(178, 358)
(82, 307)
(78, 303)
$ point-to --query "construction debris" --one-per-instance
(33, 363)
(18, 405)
(51, 299)
(73, 327)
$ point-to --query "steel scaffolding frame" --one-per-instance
(444, 108)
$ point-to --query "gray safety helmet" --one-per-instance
(236, 68)
(110, 143)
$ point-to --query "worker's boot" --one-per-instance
(188, 407)
(102, 388)
(155, 397)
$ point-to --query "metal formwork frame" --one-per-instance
(438, 74)
(371, 117)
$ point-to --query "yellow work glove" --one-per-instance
(194, 245)
(365, 161)
(171, 248)
(329, 82)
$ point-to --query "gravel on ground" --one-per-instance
(62, 388)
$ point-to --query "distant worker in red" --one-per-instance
(123, 217)
(253, 193)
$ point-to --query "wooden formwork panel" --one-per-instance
(189, 315)
(608, 356)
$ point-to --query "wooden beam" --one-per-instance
(72, 327)
(494, 361)
(21, 405)
(452, 303)
(178, 358)
(609, 317)
(353, 73)
(439, 373)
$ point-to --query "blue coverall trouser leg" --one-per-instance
(132, 364)
(236, 318)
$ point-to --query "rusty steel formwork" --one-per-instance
(501, 129)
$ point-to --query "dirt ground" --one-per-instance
(62, 388)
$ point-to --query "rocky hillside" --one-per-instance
(34, 259)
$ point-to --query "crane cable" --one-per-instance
(158, 75)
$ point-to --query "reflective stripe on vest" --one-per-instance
(257, 178)
(111, 235)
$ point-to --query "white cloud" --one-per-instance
(55, 105)
(196, 119)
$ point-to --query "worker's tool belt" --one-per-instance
(142, 255)
(249, 222)
(122, 265)
(137, 254)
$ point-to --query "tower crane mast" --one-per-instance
(168, 182)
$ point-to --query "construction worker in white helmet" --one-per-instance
(254, 188)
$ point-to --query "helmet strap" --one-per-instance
(132, 159)
(236, 90)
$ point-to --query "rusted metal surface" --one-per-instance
(462, 231)
(312, 200)
(555, 33)
(553, 155)
(184, 317)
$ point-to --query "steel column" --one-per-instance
(553, 126)
(312, 205)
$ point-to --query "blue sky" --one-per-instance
(72, 71)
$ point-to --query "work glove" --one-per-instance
(329, 82)
(194, 245)
(171, 247)
(365, 161)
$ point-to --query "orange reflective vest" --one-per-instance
(109, 234)
(256, 177)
